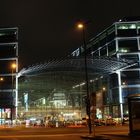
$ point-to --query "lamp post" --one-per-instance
(13, 67)
(1, 80)
(82, 26)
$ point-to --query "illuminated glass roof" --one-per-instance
(63, 75)
(101, 65)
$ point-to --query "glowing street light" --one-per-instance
(1, 79)
(81, 26)
(13, 66)
(104, 88)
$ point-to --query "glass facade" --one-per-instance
(8, 50)
(111, 48)
(126, 29)
(8, 78)
(50, 97)
(121, 40)
(127, 45)
(8, 35)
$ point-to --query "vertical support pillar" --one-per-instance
(1, 116)
(120, 95)
(11, 115)
(16, 96)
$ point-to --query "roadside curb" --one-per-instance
(91, 137)
(123, 136)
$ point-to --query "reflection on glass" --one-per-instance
(127, 45)
(127, 29)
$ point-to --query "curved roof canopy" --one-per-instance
(101, 65)
(65, 74)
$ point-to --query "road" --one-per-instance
(56, 133)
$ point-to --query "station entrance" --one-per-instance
(57, 90)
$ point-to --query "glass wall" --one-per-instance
(115, 96)
(138, 28)
(103, 51)
(95, 54)
(113, 80)
(129, 90)
(103, 39)
(6, 66)
(8, 35)
(111, 33)
(8, 50)
(134, 57)
(127, 45)
(6, 99)
(130, 77)
(126, 29)
(115, 111)
(131, 56)
(111, 48)
(9, 70)
(95, 44)
(6, 82)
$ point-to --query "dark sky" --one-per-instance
(47, 27)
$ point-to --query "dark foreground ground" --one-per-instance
(21, 133)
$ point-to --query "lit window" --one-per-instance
(138, 26)
(123, 50)
(132, 26)
(126, 26)
(122, 27)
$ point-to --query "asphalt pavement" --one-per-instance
(101, 132)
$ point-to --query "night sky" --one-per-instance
(47, 27)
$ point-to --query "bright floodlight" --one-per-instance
(13, 66)
(1, 79)
(80, 26)
(104, 88)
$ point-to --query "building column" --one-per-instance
(120, 95)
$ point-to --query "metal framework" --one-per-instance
(101, 65)
(58, 77)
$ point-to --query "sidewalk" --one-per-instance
(111, 133)
(122, 137)
(111, 137)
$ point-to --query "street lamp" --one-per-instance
(1, 80)
(104, 89)
(13, 68)
(82, 27)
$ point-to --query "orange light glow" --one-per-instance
(80, 26)
(13, 66)
(1, 79)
